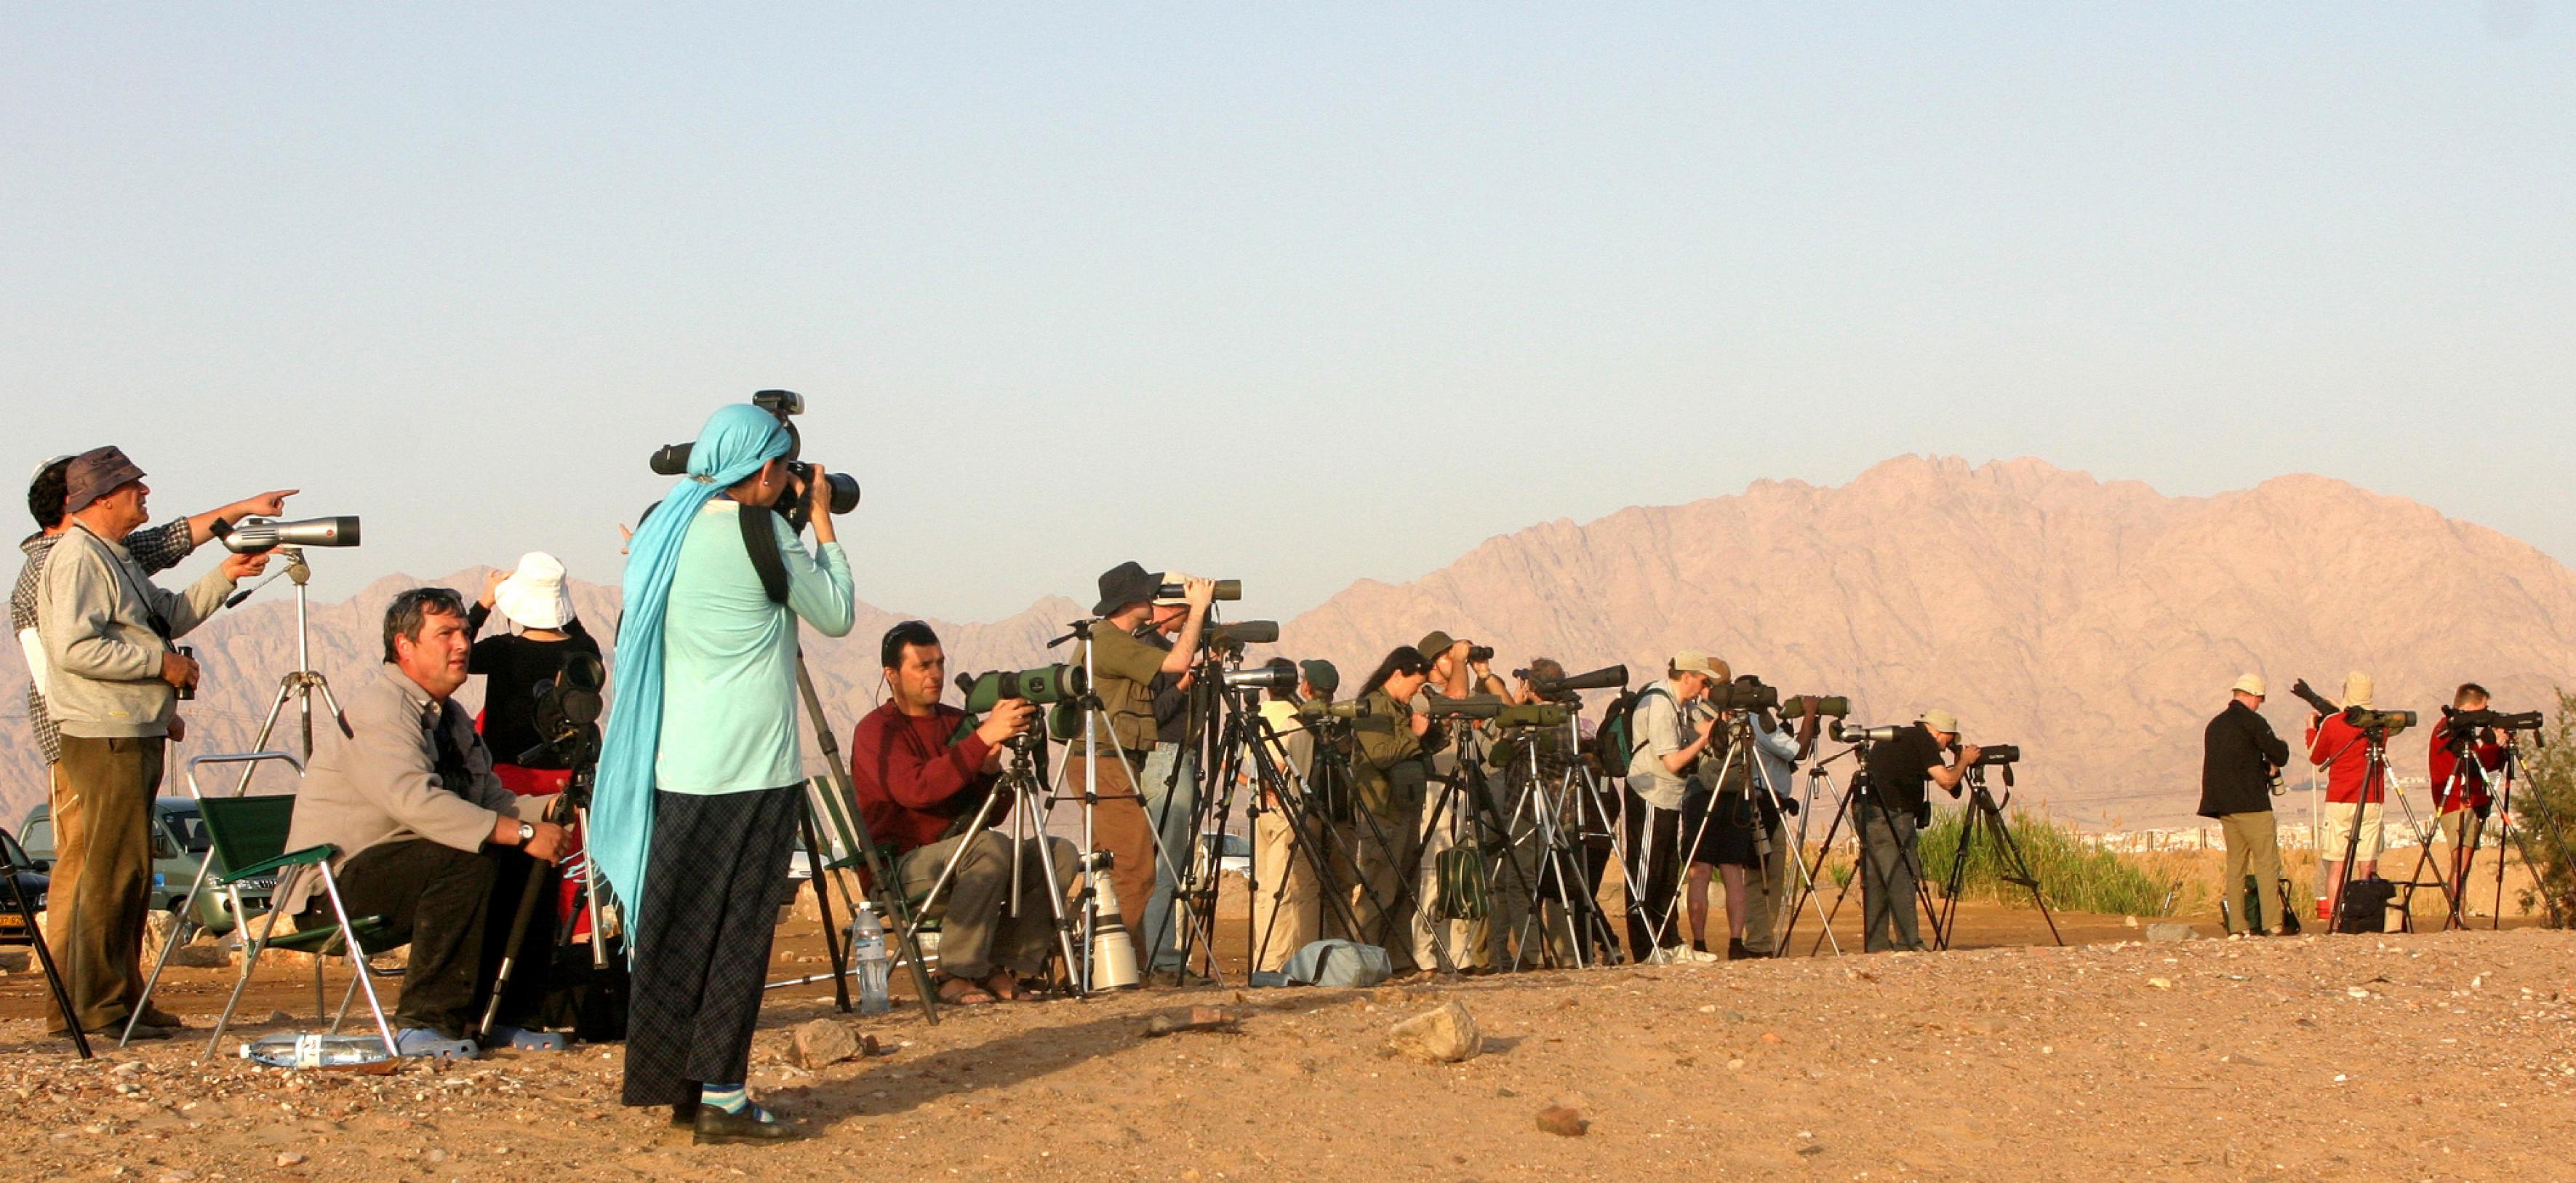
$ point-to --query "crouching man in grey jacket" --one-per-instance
(113, 683)
(428, 837)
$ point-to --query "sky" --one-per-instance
(1299, 294)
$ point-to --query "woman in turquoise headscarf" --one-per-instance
(700, 781)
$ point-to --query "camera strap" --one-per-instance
(127, 580)
(761, 541)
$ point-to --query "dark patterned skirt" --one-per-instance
(712, 887)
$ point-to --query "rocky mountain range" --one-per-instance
(2095, 623)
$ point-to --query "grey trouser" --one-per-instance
(1766, 890)
(2253, 848)
(1887, 867)
(977, 928)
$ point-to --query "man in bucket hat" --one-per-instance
(113, 680)
(1122, 668)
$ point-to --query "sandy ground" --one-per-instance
(2415, 1057)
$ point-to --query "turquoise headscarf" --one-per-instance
(734, 444)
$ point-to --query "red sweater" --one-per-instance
(912, 782)
(2490, 761)
(2339, 746)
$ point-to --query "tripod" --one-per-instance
(11, 863)
(1023, 784)
(1252, 744)
(1544, 800)
(1987, 814)
(2464, 852)
(1858, 794)
(2374, 791)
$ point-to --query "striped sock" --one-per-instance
(732, 1098)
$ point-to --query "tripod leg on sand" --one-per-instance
(44, 956)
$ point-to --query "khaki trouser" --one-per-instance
(1766, 891)
(1389, 850)
(2253, 848)
(1463, 940)
(1121, 827)
(1287, 901)
(103, 847)
(976, 929)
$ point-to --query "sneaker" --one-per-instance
(1704, 957)
(1735, 951)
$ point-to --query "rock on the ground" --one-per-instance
(2169, 932)
(1445, 1035)
(1562, 1121)
(15, 961)
(203, 957)
(825, 1041)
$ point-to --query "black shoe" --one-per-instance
(1735, 951)
(141, 1031)
(684, 1115)
(715, 1126)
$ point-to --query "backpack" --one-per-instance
(1617, 735)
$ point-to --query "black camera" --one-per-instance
(2465, 721)
(566, 713)
(1743, 696)
(187, 691)
(1998, 755)
(673, 460)
(1827, 706)
(1043, 685)
(1476, 653)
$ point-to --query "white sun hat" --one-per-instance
(535, 595)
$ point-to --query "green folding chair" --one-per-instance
(837, 814)
(248, 835)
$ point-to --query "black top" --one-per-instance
(513, 666)
(2234, 777)
(1171, 703)
(1901, 769)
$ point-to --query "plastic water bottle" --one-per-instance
(868, 952)
(292, 1050)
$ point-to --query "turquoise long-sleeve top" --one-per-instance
(729, 713)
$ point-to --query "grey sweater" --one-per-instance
(97, 627)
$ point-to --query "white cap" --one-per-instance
(535, 595)
(2250, 684)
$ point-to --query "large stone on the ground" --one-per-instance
(1444, 1035)
(2169, 932)
(824, 1041)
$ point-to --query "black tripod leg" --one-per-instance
(45, 957)
(816, 855)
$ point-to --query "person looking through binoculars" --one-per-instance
(701, 783)
(1288, 902)
(2464, 764)
(1893, 813)
(428, 837)
(113, 680)
(1122, 668)
(924, 779)
(1170, 784)
(1391, 775)
(1671, 731)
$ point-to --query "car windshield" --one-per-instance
(190, 827)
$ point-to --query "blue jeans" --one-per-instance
(1170, 811)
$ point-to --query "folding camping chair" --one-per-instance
(248, 839)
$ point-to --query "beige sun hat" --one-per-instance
(1942, 721)
(2250, 684)
(535, 595)
(2356, 690)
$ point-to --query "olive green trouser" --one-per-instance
(2253, 848)
(102, 877)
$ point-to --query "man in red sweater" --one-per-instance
(923, 789)
(2354, 793)
(2460, 790)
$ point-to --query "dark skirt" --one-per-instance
(713, 884)
(1725, 839)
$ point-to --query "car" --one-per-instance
(31, 882)
(179, 844)
(1232, 852)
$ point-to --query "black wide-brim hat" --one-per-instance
(1124, 584)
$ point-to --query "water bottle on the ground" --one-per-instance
(868, 953)
(288, 1049)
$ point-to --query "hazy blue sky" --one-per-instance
(1296, 293)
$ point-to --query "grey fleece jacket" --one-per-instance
(97, 628)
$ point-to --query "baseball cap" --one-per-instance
(2250, 684)
(1691, 661)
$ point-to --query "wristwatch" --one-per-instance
(527, 833)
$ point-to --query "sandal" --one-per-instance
(963, 992)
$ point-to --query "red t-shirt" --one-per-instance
(912, 782)
(2473, 783)
(2338, 746)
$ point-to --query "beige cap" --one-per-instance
(2250, 684)
(2356, 690)
(1691, 661)
(1942, 721)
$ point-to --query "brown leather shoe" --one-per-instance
(715, 1127)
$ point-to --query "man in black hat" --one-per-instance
(112, 685)
(1122, 669)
